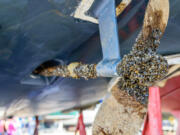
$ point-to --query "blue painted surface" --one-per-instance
(106, 14)
(32, 32)
(109, 31)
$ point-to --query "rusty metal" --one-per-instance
(54, 71)
(121, 7)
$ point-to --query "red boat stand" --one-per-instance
(36, 126)
(153, 122)
(80, 125)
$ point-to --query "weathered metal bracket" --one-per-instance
(106, 14)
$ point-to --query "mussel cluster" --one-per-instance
(142, 67)
(85, 71)
(75, 70)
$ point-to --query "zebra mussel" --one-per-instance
(142, 67)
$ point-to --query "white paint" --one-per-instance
(173, 59)
(84, 6)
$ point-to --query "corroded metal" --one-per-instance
(156, 16)
(74, 70)
(53, 71)
(121, 7)
(142, 67)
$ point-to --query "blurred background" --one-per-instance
(65, 123)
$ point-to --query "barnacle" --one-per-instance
(86, 71)
(74, 70)
(142, 66)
